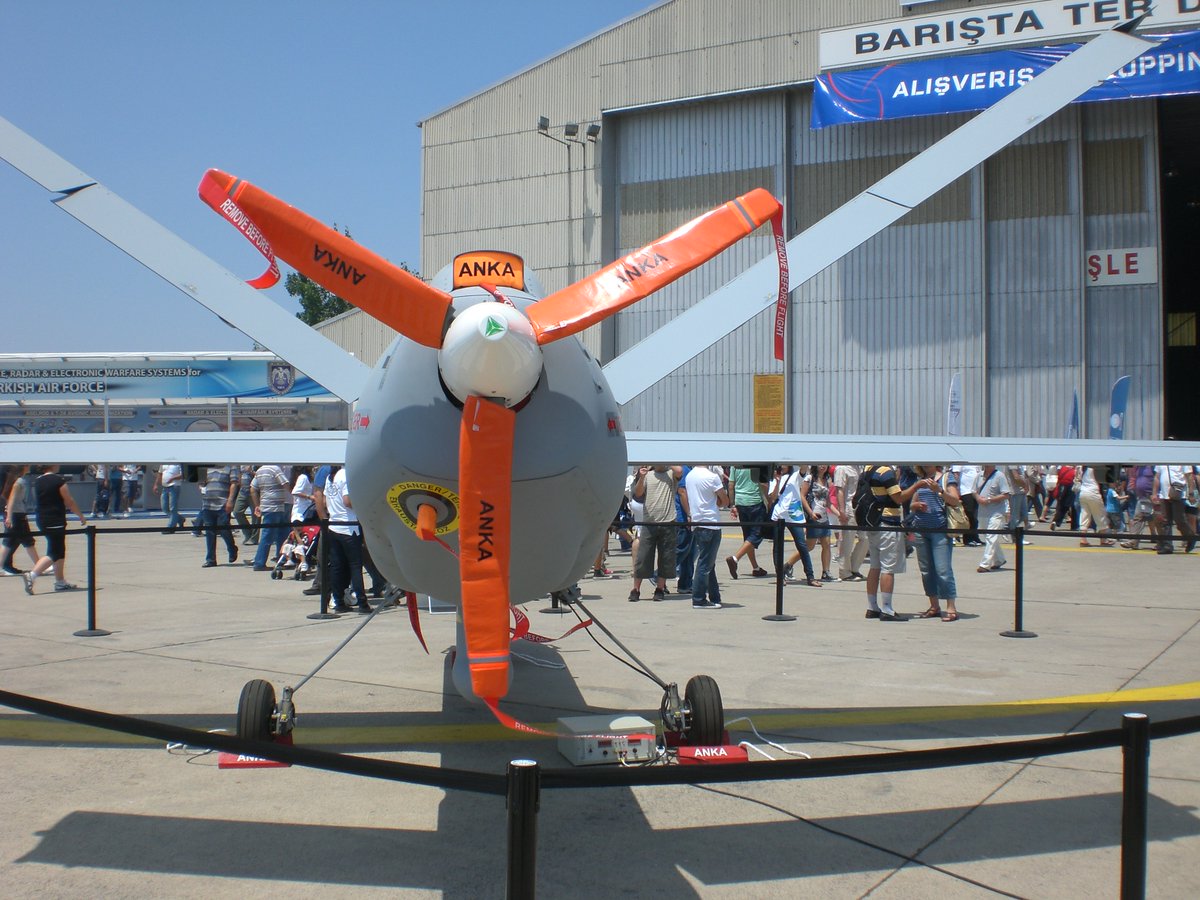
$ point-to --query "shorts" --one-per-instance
(56, 540)
(753, 518)
(19, 535)
(816, 532)
(887, 551)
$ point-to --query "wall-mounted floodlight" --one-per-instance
(593, 131)
(571, 130)
(543, 124)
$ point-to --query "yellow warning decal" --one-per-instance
(494, 267)
(408, 497)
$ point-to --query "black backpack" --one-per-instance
(867, 511)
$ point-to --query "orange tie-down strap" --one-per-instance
(485, 519)
(645, 271)
(379, 288)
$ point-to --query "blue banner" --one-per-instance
(1118, 402)
(950, 84)
(81, 378)
(1073, 422)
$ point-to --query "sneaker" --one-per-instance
(9, 570)
(28, 576)
(65, 586)
(363, 608)
(659, 595)
(707, 604)
(208, 564)
(889, 617)
(760, 573)
(634, 596)
(259, 568)
(732, 563)
(825, 576)
(315, 589)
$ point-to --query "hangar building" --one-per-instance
(1057, 266)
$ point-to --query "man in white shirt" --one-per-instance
(345, 546)
(968, 478)
(992, 492)
(168, 481)
(852, 545)
(1170, 485)
(706, 495)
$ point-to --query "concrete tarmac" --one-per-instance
(92, 813)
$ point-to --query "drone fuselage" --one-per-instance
(568, 472)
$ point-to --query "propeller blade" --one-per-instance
(377, 287)
(485, 488)
(641, 273)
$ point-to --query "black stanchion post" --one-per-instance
(1135, 747)
(524, 778)
(1018, 630)
(323, 574)
(777, 555)
(91, 630)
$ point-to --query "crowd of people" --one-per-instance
(894, 513)
(276, 508)
(845, 517)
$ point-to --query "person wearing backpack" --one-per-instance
(880, 502)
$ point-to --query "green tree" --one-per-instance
(317, 303)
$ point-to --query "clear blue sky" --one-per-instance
(315, 101)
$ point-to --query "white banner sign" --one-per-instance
(993, 26)
(1125, 265)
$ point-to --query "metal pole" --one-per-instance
(1135, 748)
(523, 802)
(1019, 588)
(777, 555)
(91, 630)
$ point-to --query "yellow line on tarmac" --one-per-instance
(25, 729)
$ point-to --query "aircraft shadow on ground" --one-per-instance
(583, 837)
(594, 839)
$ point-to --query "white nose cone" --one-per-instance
(490, 351)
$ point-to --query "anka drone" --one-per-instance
(485, 454)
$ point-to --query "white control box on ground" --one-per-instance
(595, 740)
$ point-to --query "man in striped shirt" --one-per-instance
(886, 548)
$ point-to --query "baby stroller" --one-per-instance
(295, 550)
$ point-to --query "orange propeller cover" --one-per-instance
(484, 540)
(377, 287)
(644, 271)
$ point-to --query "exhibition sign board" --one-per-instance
(977, 81)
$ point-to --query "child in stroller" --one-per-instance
(294, 552)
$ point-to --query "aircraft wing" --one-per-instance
(185, 267)
(731, 306)
(648, 447)
(198, 448)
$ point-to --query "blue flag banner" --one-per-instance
(950, 84)
(1073, 422)
(1120, 400)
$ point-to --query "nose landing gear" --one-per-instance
(699, 719)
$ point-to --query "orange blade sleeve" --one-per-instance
(644, 271)
(485, 516)
(377, 287)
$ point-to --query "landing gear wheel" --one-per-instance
(706, 714)
(256, 710)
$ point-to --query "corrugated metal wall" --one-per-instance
(986, 278)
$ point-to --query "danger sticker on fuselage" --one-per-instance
(408, 497)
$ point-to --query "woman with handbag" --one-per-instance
(789, 508)
(928, 510)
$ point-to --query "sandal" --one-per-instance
(932, 613)
(812, 582)
(950, 617)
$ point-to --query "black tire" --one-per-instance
(706, 718)
(256, 707)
